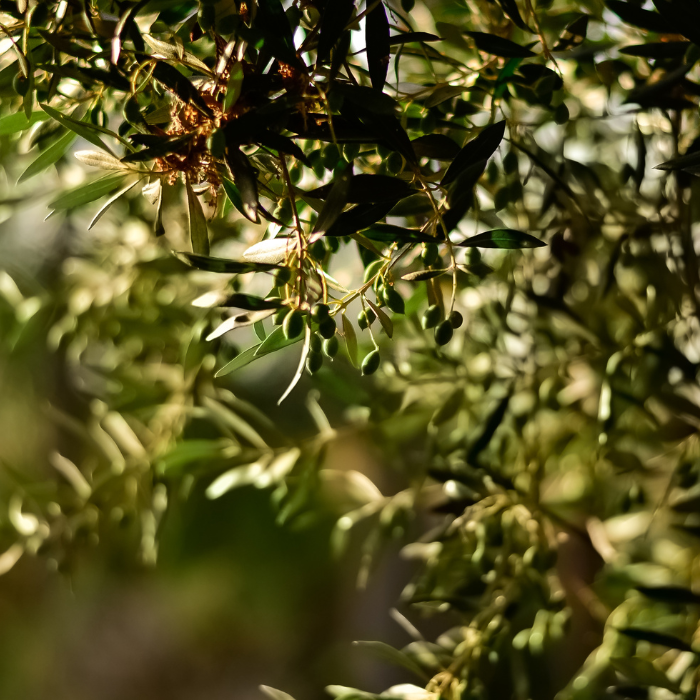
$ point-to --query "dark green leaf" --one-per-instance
(336, 16)
(48, 157)
(209, 264)
(250, 302)
(460, 196)
(245, 180)
(675, 595)
(335, 201)
(377, 42)
(175, 81)
(689, 160)
(510, 8)
(498, 46)
(390, 234)
(367, 98)
(652, 637)
(435, 147)
(197, 222)
(281, 144)
(638, 17)
(272, 18)
(502, 238)
(89, 192)
(683, 16)
(409, 37)
(658, 49)
(480, 148)
(12, 123)
(359, 218)
(276, 341)
(370, 188)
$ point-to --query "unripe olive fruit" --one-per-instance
(293, 324)
(394, 163)
(331, 156)
(372, 269)
(315, 344)
(282, 276)
(456, 319)
(430, 253)
(331, 346)
(206, 17)
(20, 84)
(408, 5)
(431, 317)
(318, 250)
(333, 243)
(501, 199)
(443, 333)
(320, 312)
(365, 318)
(394, 300)
(327, 328)
(371, 363)
(314, 362)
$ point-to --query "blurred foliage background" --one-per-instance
(512, 514)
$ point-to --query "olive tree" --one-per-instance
(465, 231)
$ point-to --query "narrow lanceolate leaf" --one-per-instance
(209, 264)
(245, 180)
(275, 694)
(104, 161)
(48, 157)
(197, 222)
(300, 367)
(689, 160)
(510, 8)
(674, 595)
(389, 233)
(13, 123)
(370, 188)
(250, 302)
(666, 640)
(271, 251)
(335, 17)
(274, 342)
(502, 238)
(683, 16)
(176, 82)
(238, 362)
(387, 325)
(350, 340)
(82, 129)
(111, 201)
(460, 196)
(239, 321)
(378, 48)
(234, 86)
(409, 37)
(638, 17)
(498, 46)
(422, 275)
(88, 192)
(335, 202)
(482, 147)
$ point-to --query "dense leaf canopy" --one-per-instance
(488, 206)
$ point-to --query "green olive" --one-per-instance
(320, 312)
(314, 362)
(443, 333)
(371, 363)
(315, 344)
(456, 319)
(365, 318)
(331, 347)
(431, 317)
(394, 300)
(327, 328)
(293, 324)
